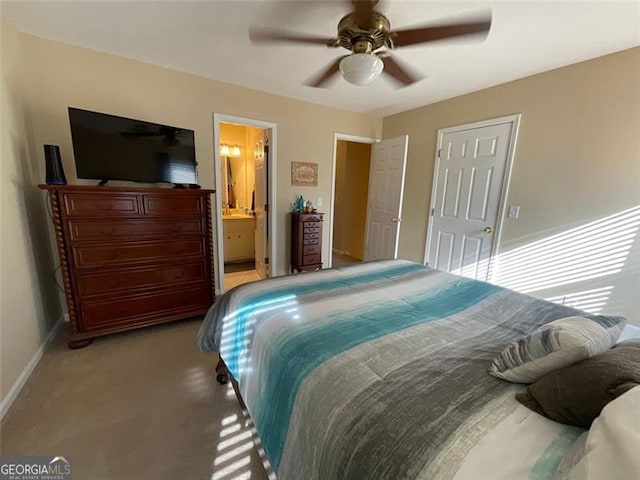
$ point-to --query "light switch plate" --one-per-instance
(319, 202)
(514, 211)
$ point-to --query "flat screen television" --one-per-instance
(107, 147)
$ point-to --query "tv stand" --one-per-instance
(103, 183)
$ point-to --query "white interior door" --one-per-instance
(384, 206)
(260, 154)
(468, 179)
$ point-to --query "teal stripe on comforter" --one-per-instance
(277, 298)
(299, 350)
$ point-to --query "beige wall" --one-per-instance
(577, 161)
(352, 187)
(29, 303)
(61, 75)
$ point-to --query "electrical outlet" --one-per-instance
(319, 202)
(514, 211)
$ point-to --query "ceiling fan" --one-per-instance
(364, 32)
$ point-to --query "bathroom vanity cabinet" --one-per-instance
(239, 243)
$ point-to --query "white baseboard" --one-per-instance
(17, 386)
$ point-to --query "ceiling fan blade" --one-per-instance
(321, 79)
(266, 36)
(412, 36)
(398, 72)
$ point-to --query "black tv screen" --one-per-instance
(107, 147)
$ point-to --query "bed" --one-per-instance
(379, 371)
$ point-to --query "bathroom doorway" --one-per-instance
(244, 190)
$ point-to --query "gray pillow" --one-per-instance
(576, 394)
(556, 345)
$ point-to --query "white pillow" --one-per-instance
(612, 449)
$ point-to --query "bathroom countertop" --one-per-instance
(237, 216)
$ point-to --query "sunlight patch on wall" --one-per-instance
(594, 250)
(592, 300)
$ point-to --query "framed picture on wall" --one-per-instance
(304, 174)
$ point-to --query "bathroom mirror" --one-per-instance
(238, 167)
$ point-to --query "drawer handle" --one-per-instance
(177, 251)
(106, 231)
(178, 275)
(103, 207)
(112, 255)
(175, 228)
(122, 312)
(117, 283)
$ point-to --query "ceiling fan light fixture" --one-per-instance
(361, 68)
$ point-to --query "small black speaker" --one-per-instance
(55, 172)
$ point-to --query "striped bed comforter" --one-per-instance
(379, 371)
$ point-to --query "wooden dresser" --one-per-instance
(132, 257)
(306, 241)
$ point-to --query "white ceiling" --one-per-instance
(211, 39)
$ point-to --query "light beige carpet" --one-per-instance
(139, 405)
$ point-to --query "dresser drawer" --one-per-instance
(142, 308)
(311, 228)
(104, 255)
(311, 218)
(139, 278)
(170, 205)
(309, 236)
(121, 204)
(106, 230)
(310, 259)
(310, 249)
(311, 241)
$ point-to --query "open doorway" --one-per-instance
(353, 162)
(381, 209)
(244, 185)
(352, 157)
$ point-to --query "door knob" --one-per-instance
(396, 220)
(488, 229)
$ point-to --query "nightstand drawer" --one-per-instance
(311, 228)
(310, 249)
(310, 259)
